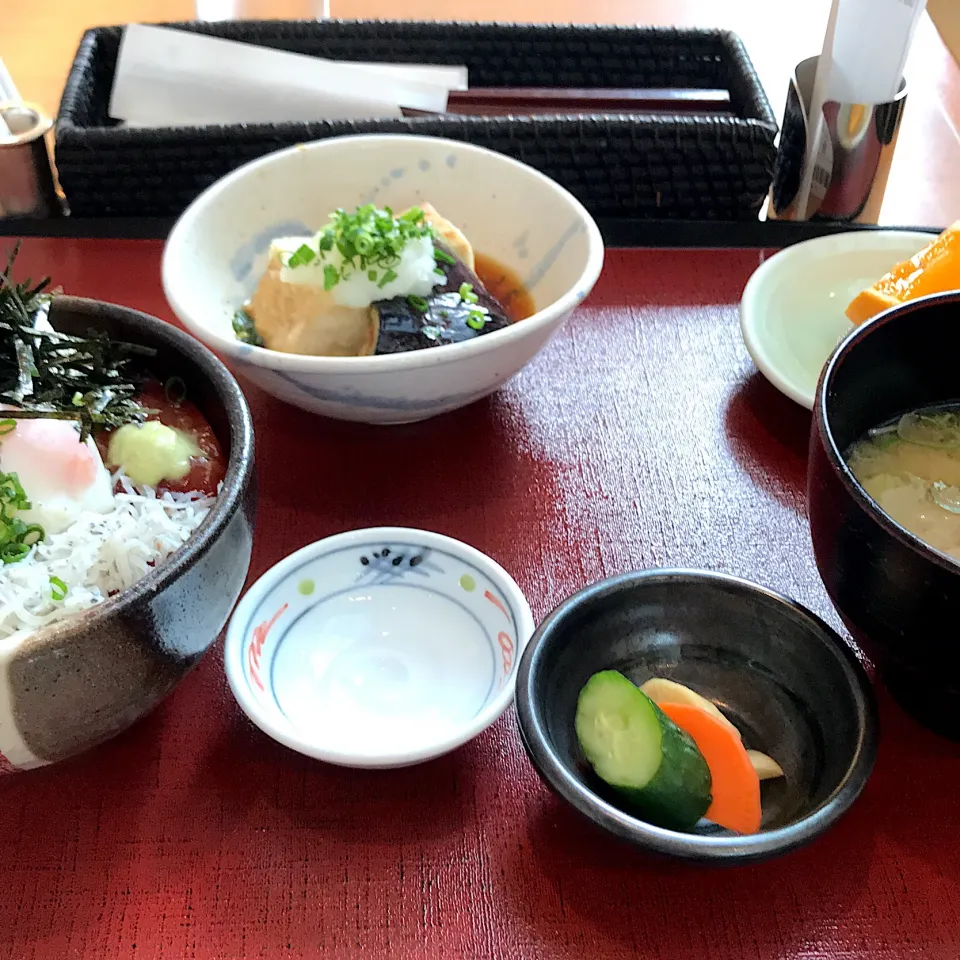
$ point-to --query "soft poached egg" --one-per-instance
(61, 476)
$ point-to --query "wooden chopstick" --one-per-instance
(533, 101)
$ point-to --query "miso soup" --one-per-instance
(911, 468)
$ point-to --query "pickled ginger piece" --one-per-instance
(767, 768)
(662, 690)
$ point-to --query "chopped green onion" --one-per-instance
(440, 254)
(13, 552)
(440, 273)
(16, 537)
(58, 589)
(301, 256)
(370, 239)
(477, 317)
(175, 390)
(35, 532)
(77, 399)
(388, 277)
(7, 426)
(466, 293)
(12, 493)
(418, 303)
(245, 330)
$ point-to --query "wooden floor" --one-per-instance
(946, 15)
(38, 40)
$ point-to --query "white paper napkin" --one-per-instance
(168, 77)
(8, 91)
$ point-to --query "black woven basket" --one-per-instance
(642, 165)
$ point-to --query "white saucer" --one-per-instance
(792, 310)
(378, 648)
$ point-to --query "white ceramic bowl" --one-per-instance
(380, 648)
(792, 313)
(217, 252)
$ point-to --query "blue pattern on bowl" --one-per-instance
(355, 398)
(375, 565)
(241, 263)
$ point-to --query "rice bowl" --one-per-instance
(154, 579)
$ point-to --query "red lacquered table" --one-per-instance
(641, 437)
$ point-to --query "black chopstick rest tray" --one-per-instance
(632, 165)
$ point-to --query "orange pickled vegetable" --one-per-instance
(935, 269)
(736, 786)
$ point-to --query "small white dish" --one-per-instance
(217, 253)
(792, 313)
(378, 648)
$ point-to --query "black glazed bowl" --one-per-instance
(899, 598)
(791, 685)
(78, 682)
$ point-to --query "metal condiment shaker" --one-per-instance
(28, 178)
(850, 172)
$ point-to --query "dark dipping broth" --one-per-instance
(504, 286)
(910, 466)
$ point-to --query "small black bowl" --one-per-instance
(899, 598)
(791, 685)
